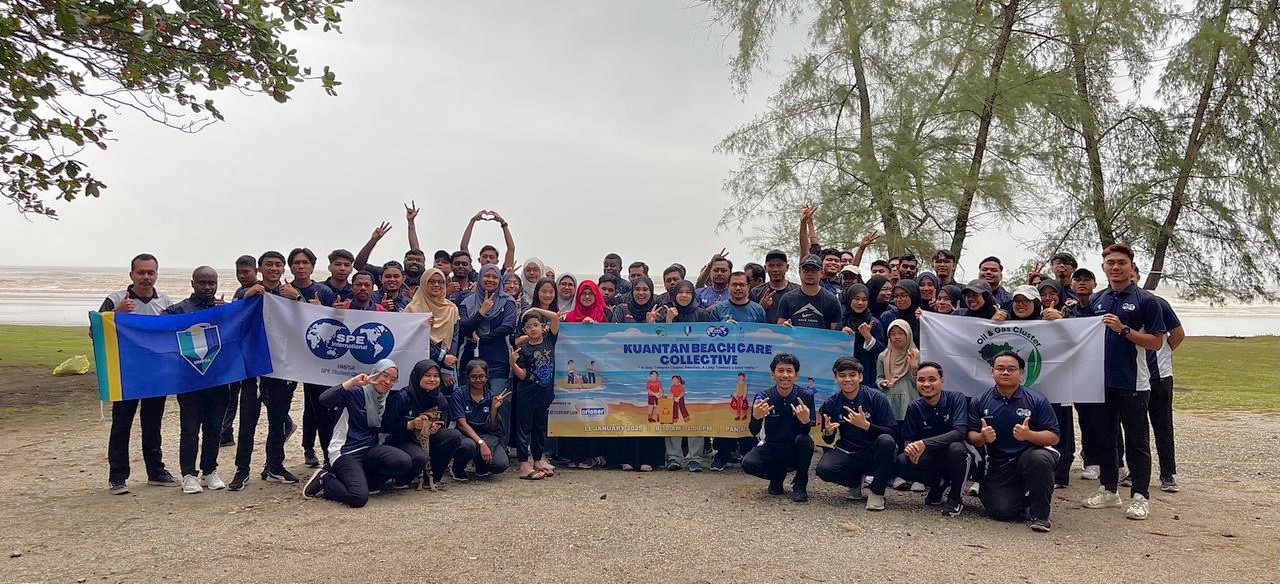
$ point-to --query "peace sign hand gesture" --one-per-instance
(502, 397)
(380, 231)
(487, 304)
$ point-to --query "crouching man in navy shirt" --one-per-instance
(866, 444)
(785, 412)
(933, 437)
(1017, 427)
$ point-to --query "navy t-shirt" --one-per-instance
(781, 425)
(1003, 414)
(873, 403)
(539, 364)
(343, 293)
(771, 313)
(318, 291)
(821, 311)
(926, 421)
(1125, 364)
(461, 406)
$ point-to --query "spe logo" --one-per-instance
(717, 331)
(330, 339)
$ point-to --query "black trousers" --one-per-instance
(774, 461)
(1089, 414)
(636, 452)
(938, 468)
(1128, 410)
(316, 419)
(122, 414)
(726, 447)
(233, 405)
(444, 445)
(469, 451)
(200, 413)
(277, 395)
(1014, 485)
(1160, 411)
(579, 449)
(351, 475)
(531, 413)
(1066, 444)
(847, 468)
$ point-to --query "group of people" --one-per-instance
(482, 390)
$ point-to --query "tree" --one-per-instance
(65, 63)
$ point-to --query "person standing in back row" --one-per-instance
(201, 410)
(810, 305)
(141, 297)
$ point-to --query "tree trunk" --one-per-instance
(984, 128)
(1097, 201)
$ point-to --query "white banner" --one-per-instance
(318, 344)
(1064, 357)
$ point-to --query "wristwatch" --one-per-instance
(481, 442)
(1124, 332)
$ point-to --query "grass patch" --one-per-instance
(42, 346)
(1227, 374)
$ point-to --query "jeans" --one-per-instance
(847, 468)
(352, 474)
(675, 449)
(200, 413)
(1014, 485)
(122, 414)
(772, 461)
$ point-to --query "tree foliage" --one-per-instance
(66, 64)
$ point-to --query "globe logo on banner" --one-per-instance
(1016, 339)
(330, 339)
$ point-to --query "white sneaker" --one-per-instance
(1139, 508)
(213, 481)
(973, 489)
(875, 502)
(866, 480)
(897, 483)
(918, 488)
(856, 494)
(1102, 498)
(1091, 472)
(191, 484)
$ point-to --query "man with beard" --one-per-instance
(717, 288)
(769, 293)
(362, 293)
(907, 266)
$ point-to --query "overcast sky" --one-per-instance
(589, 125)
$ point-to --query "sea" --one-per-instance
(64, 296)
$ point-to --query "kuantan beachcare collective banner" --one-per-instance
(682, 379)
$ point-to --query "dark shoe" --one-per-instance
(718, 465)
(279, 475)
(310, 458)
(459, 475)
(775, 487)
(953, 508)
(117, 488)
(934, 498)
(695, 466)
(163, 479)
(1040, 525)
(674, 465)
(1058, 485)
(315, 485)
(239, 481)
(799, 495)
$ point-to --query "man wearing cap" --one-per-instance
(849, 276)
(810, 305)
(769, 293)
(1077, 300)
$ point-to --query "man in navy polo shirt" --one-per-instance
(340, 265)
(991, 271)
(785, 412)
(246, 275)
(866, 444)
(1017, 428)
(1135, 325)
(392, 297)
(316, 419)
(933, 437)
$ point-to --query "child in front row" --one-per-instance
(534, 367)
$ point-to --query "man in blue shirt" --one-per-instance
(933, 437)
(717, 288)
(785, 412)
(991, 271)
(341, 263)
(1017, 429)
(738, 307)
(866, 445)
(1135, 325)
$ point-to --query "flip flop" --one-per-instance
(536, 475)
(546, 471)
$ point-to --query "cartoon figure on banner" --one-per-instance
(678, 409)
(738, 401)
(653, 387)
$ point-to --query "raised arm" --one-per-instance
(410, 214)
(466, 233)
(863, 245)
(806, 219)
(508, 260)
(362, 258)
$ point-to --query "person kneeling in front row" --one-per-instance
(1020, 460)
(785, 412)
(359, 465)
(866, 444)
(933, 436)
(477, 413)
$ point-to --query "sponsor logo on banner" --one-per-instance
(200, 345)
(330, 339)
(999, 339)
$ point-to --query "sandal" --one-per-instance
(536, 475)
(589, 463)
(550, 472)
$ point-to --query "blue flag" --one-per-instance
(139, 356)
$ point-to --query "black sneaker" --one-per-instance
(117, 488)
(799, 495)
(674, 465)
(718, 465)
(310, 458)
(280, 475)
(953, 508)
(775, 487)
(1058, 485)
(163, 479)
(460, 476)
(239, 481)
(934, 498)
(315, 485)
(1040, 525)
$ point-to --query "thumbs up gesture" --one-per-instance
(801, 411)
(288, 291)
(1022, 431)
(126, 305)
(988, 433)
(858, 418)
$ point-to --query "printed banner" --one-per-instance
(139, 356)
(318, 344)
(1064, 357)
(684, 379)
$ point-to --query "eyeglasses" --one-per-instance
(1006, 369)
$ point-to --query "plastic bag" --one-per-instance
(78, 365)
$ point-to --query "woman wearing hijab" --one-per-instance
(566, 289)
(684, 308)
(638, 305)
(643, 454)
(586, 307)
(1050, 299)
(896, 368)
(858, 322)
(949, 299)
(359, 463)
(878, 294)
(424, 392)
(430, 298)
(684, 304)
(905, 297)
(930, 285)
(979, 302)
(1029, 304)
(486, 318)
(532, 271)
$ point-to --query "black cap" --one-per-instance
(775, 254)
(978, 286)
(1084, 273)
(811, 260)
(1065, 257)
